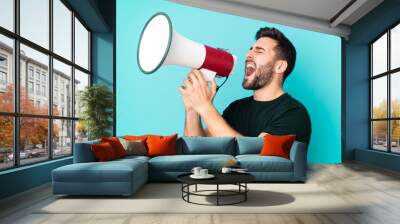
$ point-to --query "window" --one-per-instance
(62, 74)
(33, 149)
(44, 91)
(34, 21)
(6, 142)
(30, 72)
(7, 14)
(30, 87)
(81, 81)
(62, 137)
(62, 31)
(47, 76)
(3, 78)
(55, 102)
(37, 89)
(81, 45)
(6, 73)
(385, 94)
(38, 74)
(3, 72)
(3, 61)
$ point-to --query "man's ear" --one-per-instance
(280, 66)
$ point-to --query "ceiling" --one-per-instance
(327, 16)
(98, 15)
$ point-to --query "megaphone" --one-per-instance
(160, 45)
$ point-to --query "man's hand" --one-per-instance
(197, 94)
(186, 103)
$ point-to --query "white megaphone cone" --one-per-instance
(160, 45)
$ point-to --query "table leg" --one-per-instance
(188, 190)
(245, 193)
(196, 188)
(182, 189)
(217, 194)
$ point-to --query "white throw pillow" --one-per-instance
(135, 147)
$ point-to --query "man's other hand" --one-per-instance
(196, 93)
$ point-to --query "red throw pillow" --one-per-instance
(116, 145)
(103, 151)
(135, 138)
(161, 145)
(277, 145)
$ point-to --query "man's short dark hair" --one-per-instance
(284, 49)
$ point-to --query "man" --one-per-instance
(270, 110)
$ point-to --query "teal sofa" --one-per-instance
(125, 176)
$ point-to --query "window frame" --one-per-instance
(16, 115)
(388, 74)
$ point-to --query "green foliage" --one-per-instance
(97, 104)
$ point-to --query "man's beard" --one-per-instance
(262, 78)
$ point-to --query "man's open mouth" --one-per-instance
(250, 68)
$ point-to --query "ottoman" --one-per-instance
(118, 177)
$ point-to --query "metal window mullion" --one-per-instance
(89, 53)
(389, 102)
(50, 87)
(385, 119)
(114, 70)
(371, 134)
(16, 84)
(386, 73)
(7, 33)
(43, 50)
(73, 82)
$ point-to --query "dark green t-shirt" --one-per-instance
(281, 116)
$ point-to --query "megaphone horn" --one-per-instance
(160, 45)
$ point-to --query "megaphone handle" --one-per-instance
(208, 74)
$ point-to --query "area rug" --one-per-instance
(167, 198)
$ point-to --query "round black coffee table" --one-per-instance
(238, 179)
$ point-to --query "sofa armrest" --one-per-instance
(83, 152)
(298, 155)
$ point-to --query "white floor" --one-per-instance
(377, 189)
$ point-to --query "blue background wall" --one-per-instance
(357, 85)
(152, 103)
(102, 58)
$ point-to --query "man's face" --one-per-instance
(259, 65)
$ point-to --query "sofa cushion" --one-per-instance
(161, 145)
(249, 145)
(103, 152)
(257, 163)
(206, 145)
(111, 171)
(83, 152)
(131, 158)
(134, 147)
(136, 137)
(185, 163)
(116, 145)
(277, 145)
